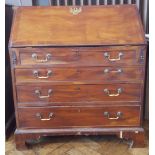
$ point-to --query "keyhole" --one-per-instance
(78, 88)
(77, 53)
(78, 71)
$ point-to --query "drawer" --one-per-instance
(78, 57)
(53, 117)
(80, 74)
(78, 93)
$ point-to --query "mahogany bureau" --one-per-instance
(78, 71)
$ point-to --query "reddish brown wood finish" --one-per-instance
(138, 139)
(79, 117)
(82, 50)
(79, 57)
(93, 103)
(98, 25)
(80, 75)
(21, 140)
(134, 133)
(79, 93)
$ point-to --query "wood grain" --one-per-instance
(77, 145)
(84, 29)
(83, 53)
(79, 75)
(79, 116)
(80, 56)
(79, 93)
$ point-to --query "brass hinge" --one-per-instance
(14, 57)
(142, 56)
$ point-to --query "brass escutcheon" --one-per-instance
(75, 11)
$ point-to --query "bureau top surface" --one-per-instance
(58, 26)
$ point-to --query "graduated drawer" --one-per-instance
(53, 117)
(80, 74)
(80, 56)
(78, 93)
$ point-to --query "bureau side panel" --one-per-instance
(13, 53)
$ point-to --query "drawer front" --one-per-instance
(79, 93)
(53, 117)
(84, 74)
(69, 57)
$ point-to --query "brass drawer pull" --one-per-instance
(119, 91)
(118, 115)
(38, 93)
(35, 58)
(107, 55)
(38, 115)
(36, 74)
(113, 71)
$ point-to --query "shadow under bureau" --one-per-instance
(78, 71)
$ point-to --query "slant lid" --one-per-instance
(68, 26)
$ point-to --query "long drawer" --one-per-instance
(78, 93)
(79, 57)
(53, 117)
(80, 74)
